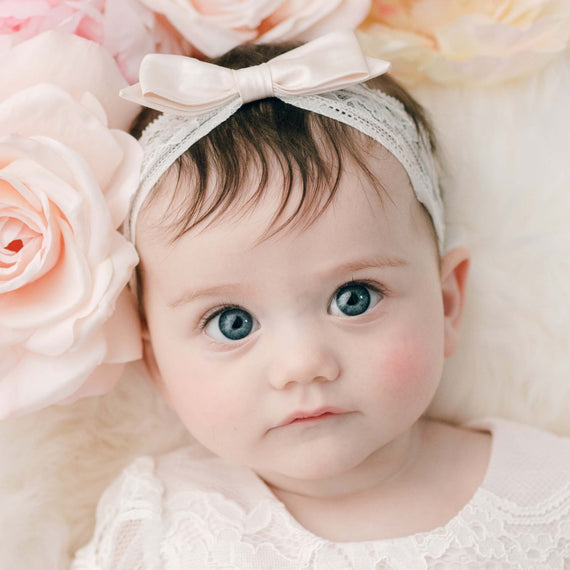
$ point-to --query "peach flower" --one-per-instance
(479, 41)
(216, 26)
(67, 323)
(124, 27)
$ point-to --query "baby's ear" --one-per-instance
(454, 271)
(152, 366)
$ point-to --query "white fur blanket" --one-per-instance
(508, 199)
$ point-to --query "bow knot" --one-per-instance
(188, 86)
(254, 82)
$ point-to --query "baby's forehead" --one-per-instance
(387, 193)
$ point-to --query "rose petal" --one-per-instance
(108, 281)
(216, 26)
(93, 221)
(15, 260)
(122, 187)
(301, 20)
(348, 16)
(49, 111)
(122, 332)
(61, 336)
(39, 172)
(466, 38)
(13, 229)
(72, 63)
(53, 296)
(54, 191)
(221, 29)
(91, 103)
(13, 194)
(11, 338)
(463, 42)
(36, 258)
(128, 44)
(34, 381)
(23, 10)
(29, 382)
(73, 190)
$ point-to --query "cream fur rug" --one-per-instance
(508, 196)
(508, 200)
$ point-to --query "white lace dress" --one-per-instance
(191, 510)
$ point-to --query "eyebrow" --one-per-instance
(378, 261)
(349, 267)
(189, 296)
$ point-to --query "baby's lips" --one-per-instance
(312, 414)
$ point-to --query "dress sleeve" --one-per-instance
(128, 525)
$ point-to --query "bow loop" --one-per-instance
(187, 86)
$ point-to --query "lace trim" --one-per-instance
(208, 530)
(164, 140)
(370, 111)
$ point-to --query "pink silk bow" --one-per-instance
(188, 86)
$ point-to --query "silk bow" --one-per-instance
(187, 86)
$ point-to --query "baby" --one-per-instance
(298, 304)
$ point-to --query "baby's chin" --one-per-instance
(314, 476)
(312, 466)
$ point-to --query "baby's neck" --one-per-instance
(434, 472)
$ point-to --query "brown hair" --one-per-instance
(307, 147)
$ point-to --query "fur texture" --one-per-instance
(57, 462)
(507, 194)
(508, 199)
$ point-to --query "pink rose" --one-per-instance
(124, 27)
(67, 323)
(86, 68)
(216, 26)
(479, 41)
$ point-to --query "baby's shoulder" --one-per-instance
(181, 499)
(527, 465)
(190, 471)
(195, 467)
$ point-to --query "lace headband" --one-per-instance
(320, 76)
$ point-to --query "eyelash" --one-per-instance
(380, 290)
(214, 312)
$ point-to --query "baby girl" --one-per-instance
(298, 304)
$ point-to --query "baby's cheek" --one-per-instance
(411, 366)
(203, 399)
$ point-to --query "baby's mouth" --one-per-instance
(316, 415)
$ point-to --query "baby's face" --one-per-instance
(345, 317)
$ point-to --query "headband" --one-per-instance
(322, 76)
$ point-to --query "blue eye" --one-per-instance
(354, 299)
(229, 324)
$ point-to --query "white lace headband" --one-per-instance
(320, 76)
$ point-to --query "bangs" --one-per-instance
(261, 142)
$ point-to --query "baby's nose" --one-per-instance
(302, 355)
